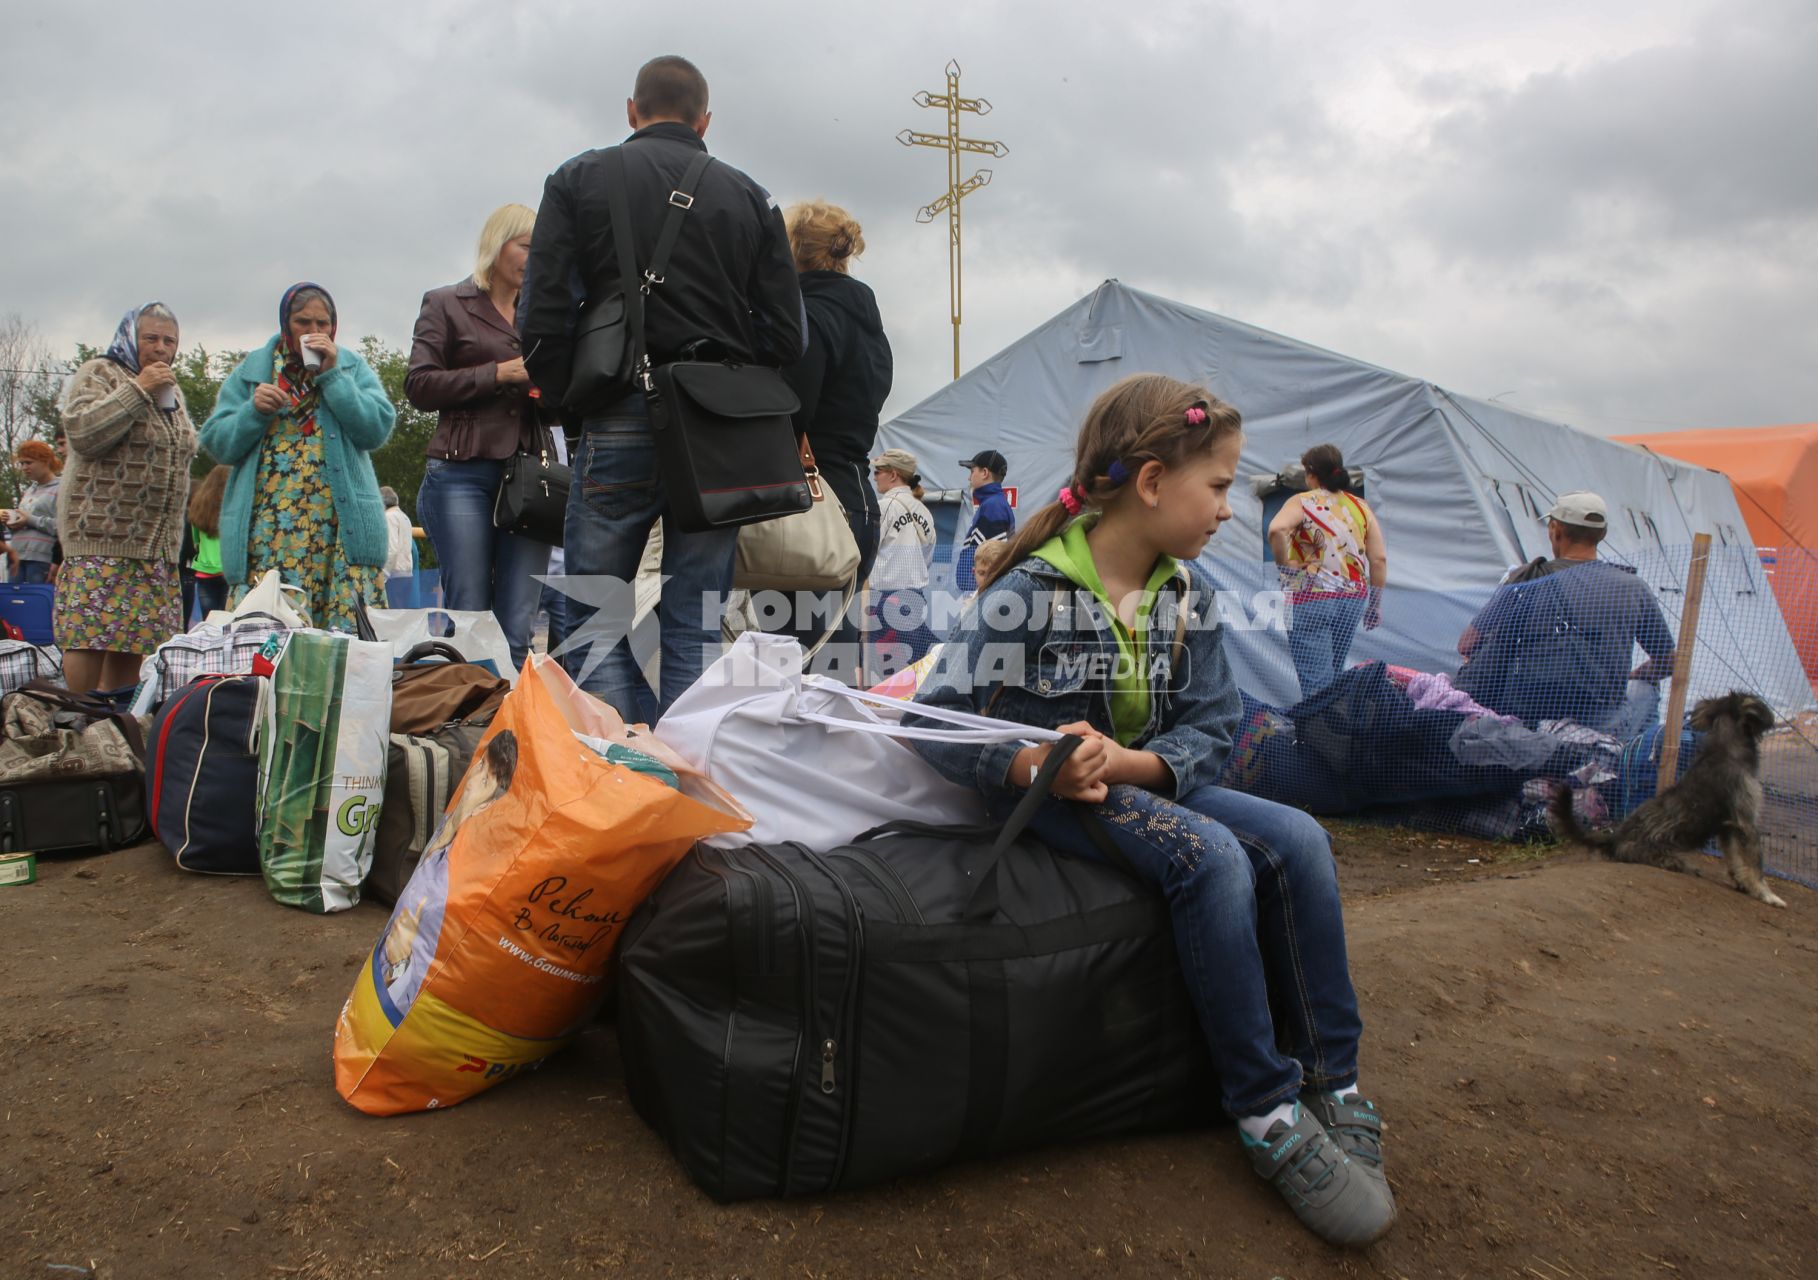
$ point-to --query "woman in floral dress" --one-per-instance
(120, 505)
(298, 421)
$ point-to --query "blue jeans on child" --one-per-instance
(1319, 638)
(1253, 893)
(482, 568)
(616, 497)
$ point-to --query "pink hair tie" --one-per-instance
(1196, 416)
(1068, 501)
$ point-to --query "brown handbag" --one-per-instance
(427, 695)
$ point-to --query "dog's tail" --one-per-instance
(1567, 827)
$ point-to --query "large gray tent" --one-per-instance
(1459, 484)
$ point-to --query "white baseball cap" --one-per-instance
(1582, 508)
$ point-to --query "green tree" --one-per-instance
(200, 374)
(400, 463)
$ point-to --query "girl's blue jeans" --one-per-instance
(1253, 893)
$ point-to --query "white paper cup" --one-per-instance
(167, 396)
(312, 359)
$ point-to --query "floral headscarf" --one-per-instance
(124, 349)
(292, 377)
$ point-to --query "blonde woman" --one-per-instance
(465, 365)
(842, 379)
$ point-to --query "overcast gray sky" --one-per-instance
(1604, 213)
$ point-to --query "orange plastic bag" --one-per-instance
(500, 947)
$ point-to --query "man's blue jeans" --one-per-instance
(617, 496)
(482, 568)
(1319, 638)
(1253, 892)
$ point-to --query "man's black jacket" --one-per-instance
(731, 279)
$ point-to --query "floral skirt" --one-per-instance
(114, 604)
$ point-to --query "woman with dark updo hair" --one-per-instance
(1334, 565)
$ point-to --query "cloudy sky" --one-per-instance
(1604, 213)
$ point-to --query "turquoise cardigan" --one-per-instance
(355, 417)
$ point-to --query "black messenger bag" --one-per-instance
(794, 1021)
(724, 431)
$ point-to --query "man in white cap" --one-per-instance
(1557, 639)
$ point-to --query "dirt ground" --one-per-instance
(1588, 1070)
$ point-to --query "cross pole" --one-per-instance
(957, 188)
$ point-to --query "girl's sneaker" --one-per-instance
(1330, 1193)
(1357, 1129)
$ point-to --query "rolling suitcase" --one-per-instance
(28, 606)
(794, 1021)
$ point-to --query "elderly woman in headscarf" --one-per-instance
(297, 422)
(120, 507)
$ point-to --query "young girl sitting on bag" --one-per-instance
(1080, 628)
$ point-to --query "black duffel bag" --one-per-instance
(793, 1022)
(202, 775)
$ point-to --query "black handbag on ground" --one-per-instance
(532, 500)
(794, 1021)
(724, 431)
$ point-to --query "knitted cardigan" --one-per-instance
(354, 416)
(125, 485)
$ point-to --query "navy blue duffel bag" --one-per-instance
(202, 775)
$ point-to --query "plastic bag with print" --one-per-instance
(500, 947)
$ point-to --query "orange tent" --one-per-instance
(1774, 471)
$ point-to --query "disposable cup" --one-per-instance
(312, 359)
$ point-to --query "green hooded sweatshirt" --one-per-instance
(1070, 553)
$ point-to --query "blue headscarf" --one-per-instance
(288, 344)
(124, 349)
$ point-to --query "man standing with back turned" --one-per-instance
(729, 292)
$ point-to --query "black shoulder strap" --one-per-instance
(681, 200)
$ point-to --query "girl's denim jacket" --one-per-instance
(1037, 649)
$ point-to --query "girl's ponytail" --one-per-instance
(1044, 524)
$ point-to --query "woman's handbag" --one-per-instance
(532, 501)
(813, 550)
(724, 431)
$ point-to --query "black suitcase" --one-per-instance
(793, 1022)
(202, 775)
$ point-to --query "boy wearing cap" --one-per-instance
(1557, 638)
(985, 472)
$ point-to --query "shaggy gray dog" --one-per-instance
(1718, 798)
